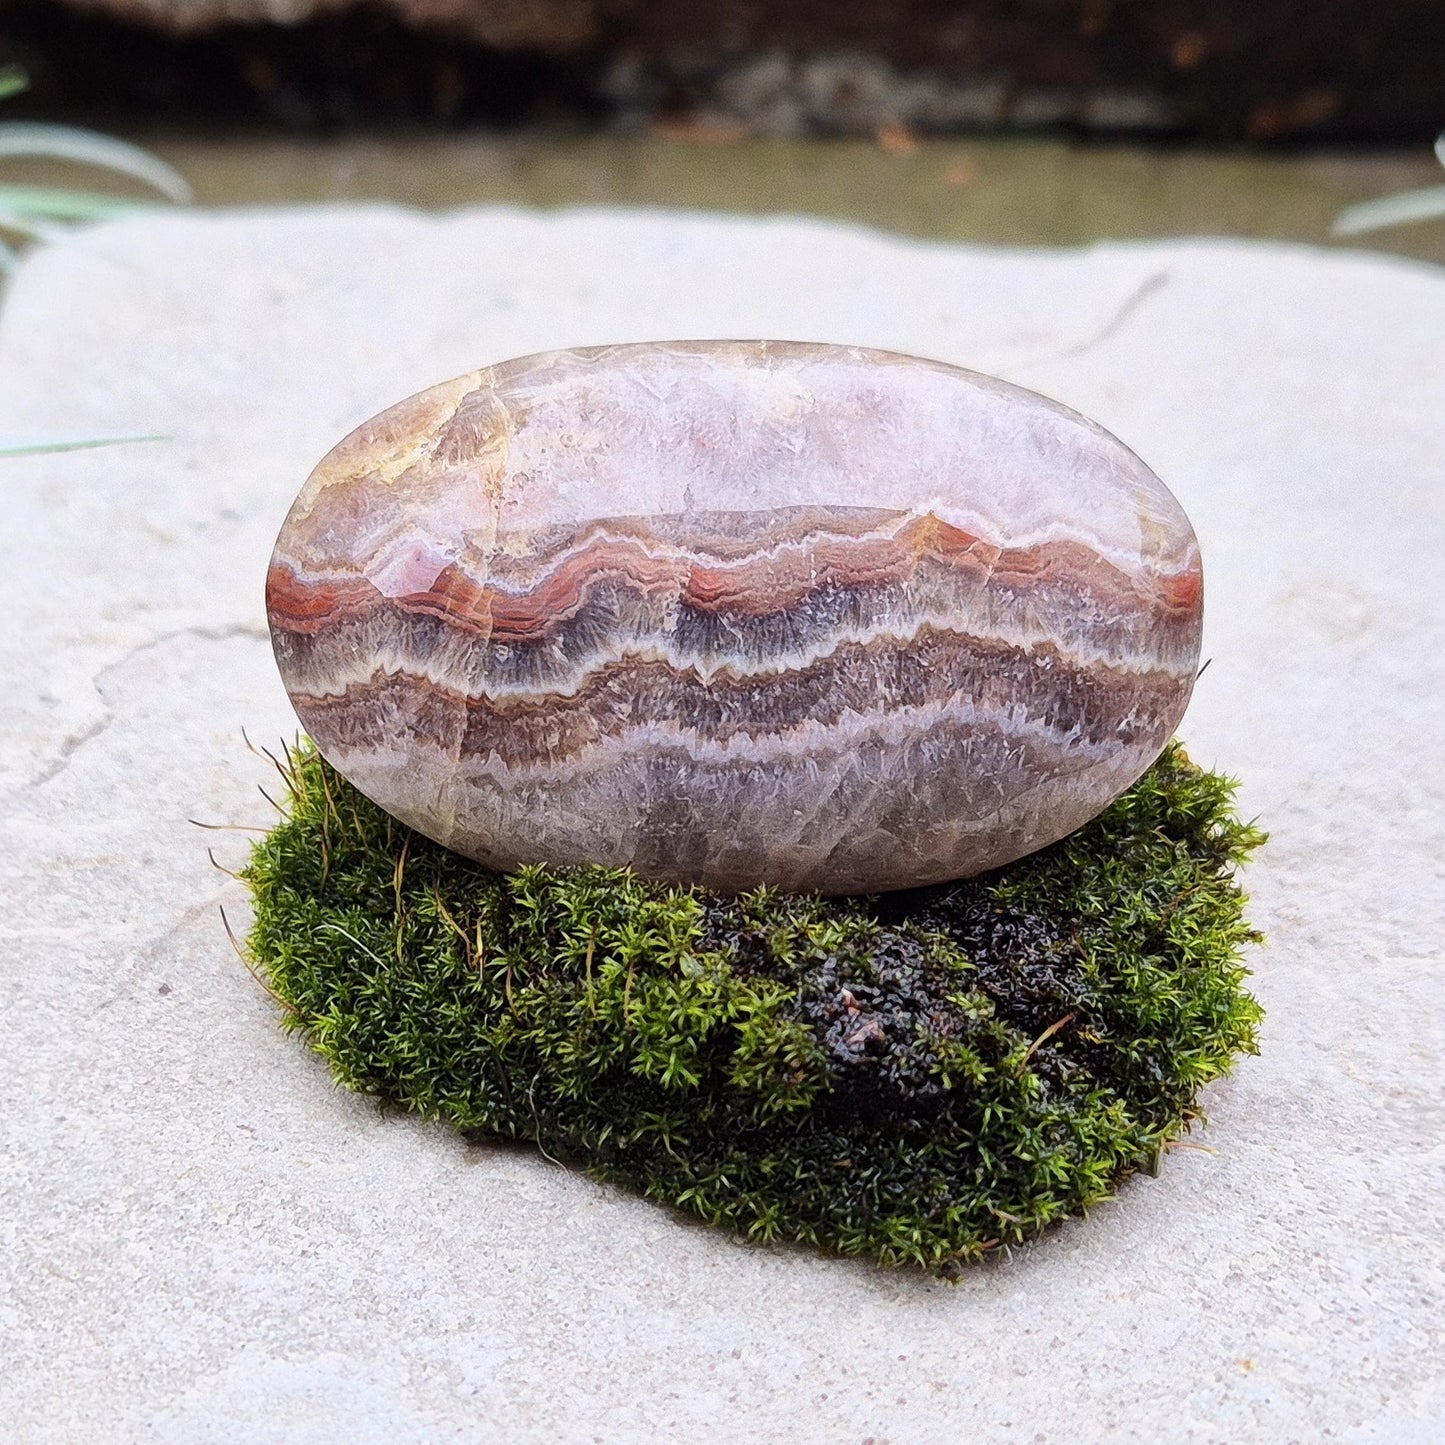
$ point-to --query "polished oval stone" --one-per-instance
(736, 613)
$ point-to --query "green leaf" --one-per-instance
(1427, 204)
(30, 228)
(13, 80)
(90, 148)
(35, 446)
(63, 205)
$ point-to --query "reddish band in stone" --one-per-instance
(736, 613)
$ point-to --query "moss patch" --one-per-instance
(920, 1077)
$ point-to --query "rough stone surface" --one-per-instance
(204, 1240)
(737, 613)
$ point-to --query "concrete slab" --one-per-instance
(205, 1241)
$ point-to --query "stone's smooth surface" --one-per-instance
(204, 1240)
(736, 613)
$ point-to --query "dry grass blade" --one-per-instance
(250, 967)
(227, 827)
(352, 938)
(1047, 1034)
(287, 776)
(221, 867)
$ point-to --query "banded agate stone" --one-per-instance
(734, 613)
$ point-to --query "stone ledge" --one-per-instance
(208, 1241)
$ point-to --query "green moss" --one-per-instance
(920, 1077)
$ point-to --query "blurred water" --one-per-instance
(1019, 192)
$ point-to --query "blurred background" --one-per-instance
(1036, 122)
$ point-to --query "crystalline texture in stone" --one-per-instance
(737, 613)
